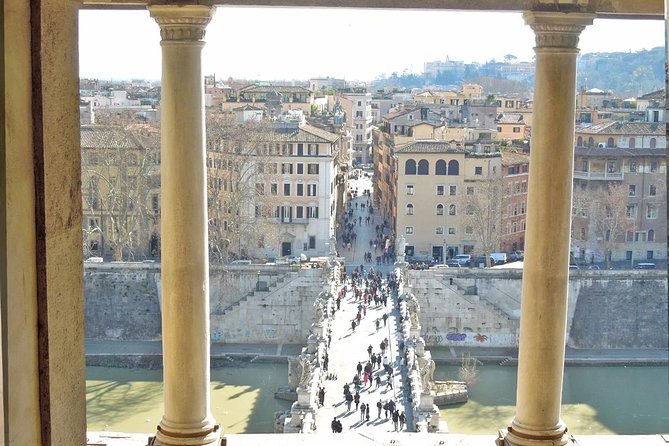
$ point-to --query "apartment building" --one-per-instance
(631, 155)
(120, 185)
(433, 181)
(515, 173)
(512, 126)
(285, 178)
(358, 110)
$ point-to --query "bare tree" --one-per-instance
(483, 213)
(120, 170)
(610, 217)
(242, 187)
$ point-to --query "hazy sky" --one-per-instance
(299, 43)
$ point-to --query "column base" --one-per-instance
(514, 437)
(205, 435)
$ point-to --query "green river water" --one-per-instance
(596, 400)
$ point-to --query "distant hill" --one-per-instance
(628, 74)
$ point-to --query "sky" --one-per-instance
(354, 44)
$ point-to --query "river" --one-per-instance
(596, 400)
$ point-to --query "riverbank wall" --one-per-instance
(248, 304)
(481, 308)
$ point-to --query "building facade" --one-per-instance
(515, 173)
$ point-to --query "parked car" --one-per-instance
(240, 262)
(499, 257)
(515, 256)
(645, 265)
(452, 263)
(478, 261)
(440, 266)
(463, 259)
(572, 266)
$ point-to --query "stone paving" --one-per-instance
(348, 347)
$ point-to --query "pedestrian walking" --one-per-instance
(403, 419)
(379, 406)
(356, 400)
(333, 425)
(385, 315)
(353, 325)
(349, 400)
(363, 411)
(369, 350)
(396, 419)
(367, 412)
(378, 381)
(359, 368)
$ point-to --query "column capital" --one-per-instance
(182, 23)
(557, 30)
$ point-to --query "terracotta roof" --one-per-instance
(624, 128)
(511, 158)
(427, 147)
(104, 136)
(658, 95)
(272, 88)
(616, 151)
(402, 112)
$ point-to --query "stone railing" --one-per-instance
(419, 366)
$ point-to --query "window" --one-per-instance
(632, 166)
(579, 141)
(409, 209)
(312, 242)
(358, 114)
(409, 230)
(423, 167)
(440, 167)
(611, 166)
(508, 104)
(631, 211)
(300, 168)
(651, 211)
(516, 130)
(451, 210)
(311, 190)
(651, 235)
(470, 190)
(632, 190)
(312, 169)
(653, 143)
(286, 189)
(439, 230)
(639, 236)
(632, 144)
(523, 186)
(155, 203)
(478, 170)
(653, 166)
(300, 189)
(649, 255)
(453, 167)
(440, 209)
(582, 233)
(652, 190)
(584, 164)
(299, 212)
(300, 150)
(591, 142)
(452, 190)
(451, 231)
(440, 189)
(410, 189)
(260, 189)
(359, 103)
(410, 167)
(525, 168)
(258, 210)
(312, 211)
(273, 188)
(469, 230)
(610, 143)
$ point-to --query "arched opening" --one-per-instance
(410, 167)
(453, 167)
(423, 167)
(440, 167)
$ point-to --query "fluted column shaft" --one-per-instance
(546, 267)
(185, 262)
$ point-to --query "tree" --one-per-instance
(483, 213)
(242, 187)
(610, 217)
(120, 176)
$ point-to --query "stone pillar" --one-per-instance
(546, 272)
(185, 263)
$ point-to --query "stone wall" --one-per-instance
(607, 309)
(247, 303)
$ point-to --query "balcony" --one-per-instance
(602, 176)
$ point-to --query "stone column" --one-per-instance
(185, 263)
(546, 271)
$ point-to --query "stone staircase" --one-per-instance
(468, 293)
(262, 292)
